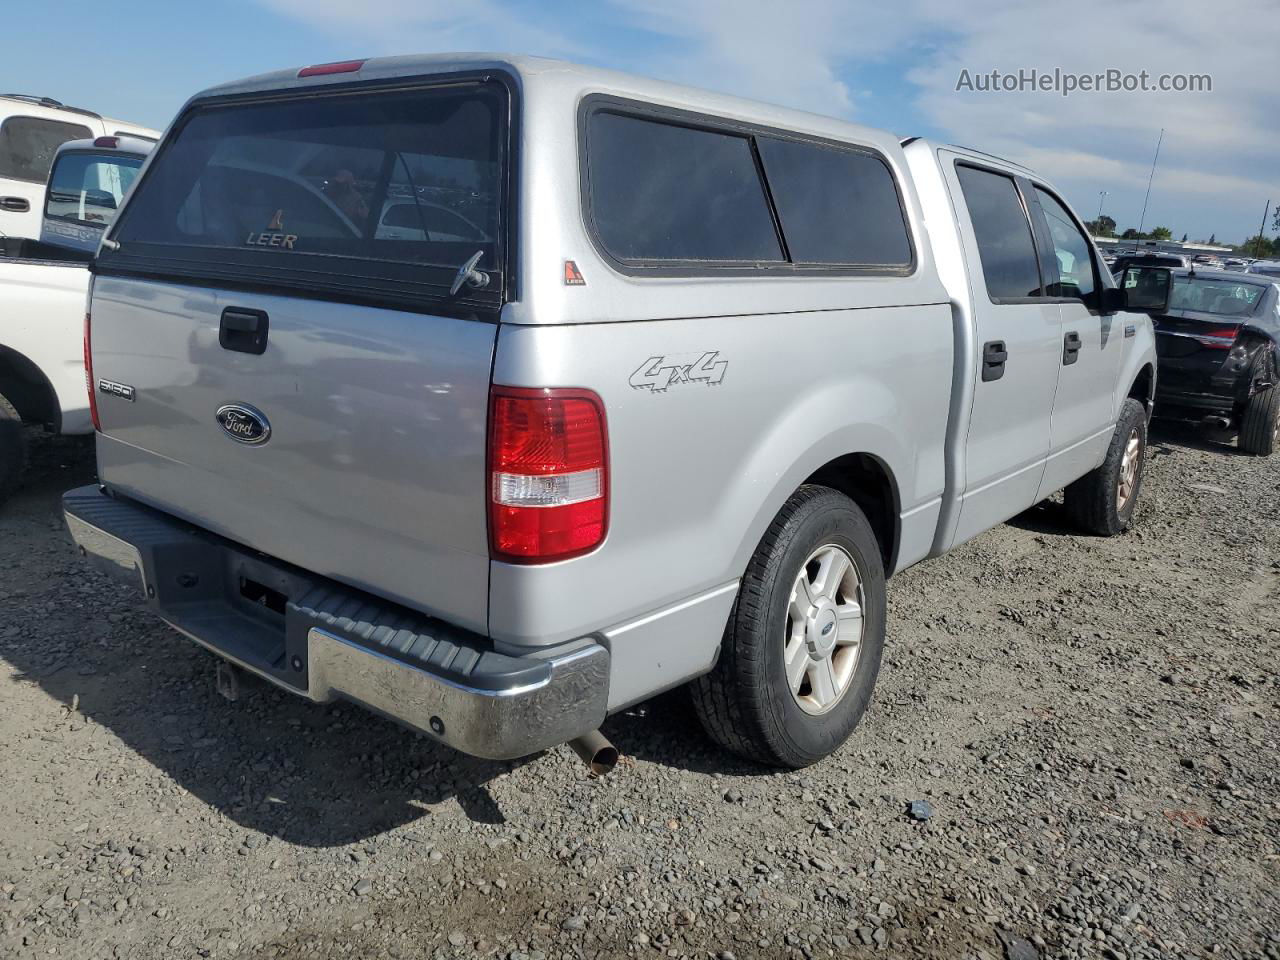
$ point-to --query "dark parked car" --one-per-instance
(1219, 349)
(1126, 260)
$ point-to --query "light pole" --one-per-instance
(1097, 221)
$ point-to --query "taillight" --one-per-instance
(1218, 339)
(112, 142)
(323, 69)
(548, 473)
(88, 375)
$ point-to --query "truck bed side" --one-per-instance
(42, 330)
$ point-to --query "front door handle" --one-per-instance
(15, 204)
(994, 356)
(243, 330)
(1071, 344)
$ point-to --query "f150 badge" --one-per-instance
(121, 390)
(243, 423)
(659, 374)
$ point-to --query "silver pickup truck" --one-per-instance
(498, 394)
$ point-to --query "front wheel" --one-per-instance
(1102, 501)
(13, 448)
(802, 649)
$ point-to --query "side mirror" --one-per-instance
(1141, 290)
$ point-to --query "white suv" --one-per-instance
(31, 130)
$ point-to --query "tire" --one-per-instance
(1260, 422)
(746, 703)
(1096, 502)
(13, 449)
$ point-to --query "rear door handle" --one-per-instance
(1071, 344)
(243, 330)
(994, 356)
(15, 204)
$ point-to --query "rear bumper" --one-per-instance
(325, 641)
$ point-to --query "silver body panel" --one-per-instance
(384, 486)
(375, 470)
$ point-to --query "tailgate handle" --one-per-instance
(243, 330)
(15, 204)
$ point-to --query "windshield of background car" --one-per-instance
(1224, 298)
(329, 186)
(88, 188)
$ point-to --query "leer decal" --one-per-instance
(274, 235)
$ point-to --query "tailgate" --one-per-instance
(373, 472)
(287, 364)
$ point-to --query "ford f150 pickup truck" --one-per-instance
(43, 287)
(498, 394)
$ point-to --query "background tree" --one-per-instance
(1161, 233)
(1213, 238)
(1259, 246)
(1130, 234)
(1184, 238)
(1104, 226)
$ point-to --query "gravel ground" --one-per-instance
(1072, 753)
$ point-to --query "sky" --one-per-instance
(894, 65)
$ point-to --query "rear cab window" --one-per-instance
(666, 192)
(88, 188)
(28, 145)
(358, 193)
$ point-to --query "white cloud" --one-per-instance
(1219, 154)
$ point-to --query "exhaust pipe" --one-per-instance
(1222, 423)
(596, 752)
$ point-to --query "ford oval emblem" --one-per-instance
(243, 423)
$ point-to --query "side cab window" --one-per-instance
(1066, 255)
(1006, 244)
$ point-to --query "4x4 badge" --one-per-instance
(658, 374)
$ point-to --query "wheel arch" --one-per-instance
(24, 384)
(867, 480)
(863, 473)
(1143, 387)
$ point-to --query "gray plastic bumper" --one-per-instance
(326, 641)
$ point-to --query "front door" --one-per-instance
(1084, 408)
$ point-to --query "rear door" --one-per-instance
(1091, 344)
(1017, 342)
(304, 382)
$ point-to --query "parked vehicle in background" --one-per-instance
(1266, 268)
(1169, 261)
(31, 130)
(87, 185)
(1219, 348)
(1233, 263)
(43, 289)
(699, 381)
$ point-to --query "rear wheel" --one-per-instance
(1260, 422)
(1102, 501)
(802, 649)
(13, 448)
